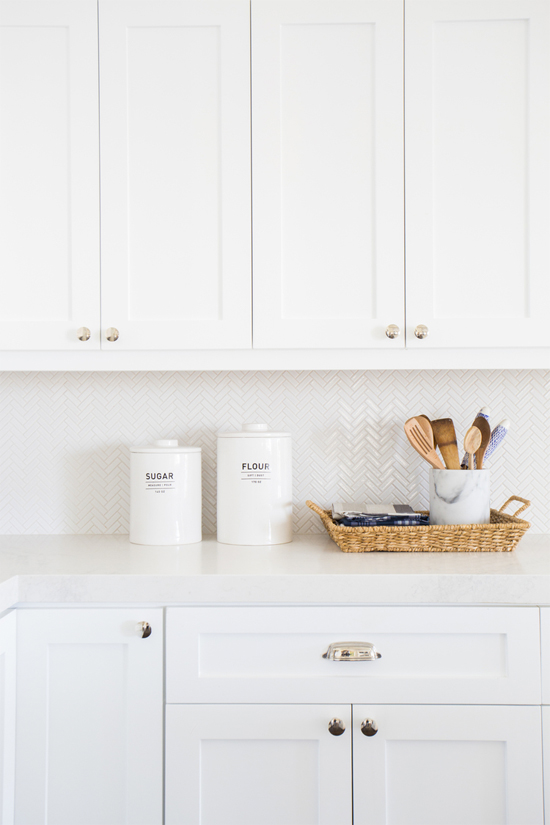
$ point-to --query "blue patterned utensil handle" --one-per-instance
(497, 436)
(484, 413)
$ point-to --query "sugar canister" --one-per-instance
(254, 486)
(165, 493)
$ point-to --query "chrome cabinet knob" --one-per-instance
(352, 652)
(112, 334)
(392, 331)
(336, 727)
(369, 727)
(421, 331)
(84, 334)
(144, 629)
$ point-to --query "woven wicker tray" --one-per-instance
(502, 534)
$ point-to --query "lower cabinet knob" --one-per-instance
(112, 334)
(144, 629)
(392, 331)
(421, 331)
(84, 334)
(369, 727)
(336, 727)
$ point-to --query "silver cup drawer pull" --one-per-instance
(352, 652)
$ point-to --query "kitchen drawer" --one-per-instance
(545, 653)
(449, 655)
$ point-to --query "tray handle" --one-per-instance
(315, 508)
(524, 506)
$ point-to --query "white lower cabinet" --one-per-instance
(546, 758)
(7, 718)
(443, 729)
(447, 765)
(257, 765)
(89, 717)
(412, 765)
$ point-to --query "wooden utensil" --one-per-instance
(485, 429)
(426, 425)
(445, 438)
(472, 440)
(421, 443)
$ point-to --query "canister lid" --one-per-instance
(164, 445)
(255, 429)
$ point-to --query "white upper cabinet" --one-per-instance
(175, 174)
(327, 171)
(49, 170)
(477, 165)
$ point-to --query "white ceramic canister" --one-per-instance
(254, 486)
(165, 493)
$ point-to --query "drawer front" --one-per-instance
(448, 655)
(545, 653)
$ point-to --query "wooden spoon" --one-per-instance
(421, 443)
(485, 429)
(472, 440)
(445, 438)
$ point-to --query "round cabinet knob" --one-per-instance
(392, 331)
(84, 334)
(421, 331)
(144, 629)
(369, 727)
(112, 334)
(336, 727)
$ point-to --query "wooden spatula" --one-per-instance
(421, 444)
(485, 429)
(472, 440)
(445, 438)
(426, 425)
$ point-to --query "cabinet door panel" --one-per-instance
(477, 156)
(49, 175)
(327, 91)
(257, 765)
(545, 653)
(7, 718)
(175, 172)
(546, 752)
(458, 765)
(89, 718)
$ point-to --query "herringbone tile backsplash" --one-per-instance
(64, 437)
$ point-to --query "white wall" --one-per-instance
(64, 437)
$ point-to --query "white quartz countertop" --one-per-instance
(90, 569)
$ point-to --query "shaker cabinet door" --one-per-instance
(257, 765)
(49, 175)
(477, 160)
(454, 765)
(7, 718)
(546, 752)
(327, 171)
(175, 174)
(89, 717)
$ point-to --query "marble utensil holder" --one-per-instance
(460, 496)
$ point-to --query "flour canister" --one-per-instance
(254, 486)
(165, 493)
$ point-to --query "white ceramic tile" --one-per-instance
(64, 437)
